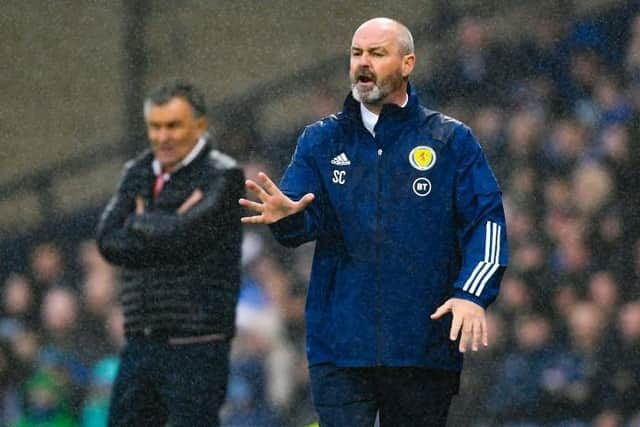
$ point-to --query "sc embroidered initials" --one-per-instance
(339, 177)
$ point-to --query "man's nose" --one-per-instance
(163, 135)
(364, 60)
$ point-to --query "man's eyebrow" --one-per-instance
(378, 47)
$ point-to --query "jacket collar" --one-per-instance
(352, 107)
(190, 157)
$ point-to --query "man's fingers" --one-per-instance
(257, 190)
(254, 206)
(485, 332)
(191, 201)
(268, 185)
(275, 205)
(464, 338)
(441, 311)
(477, 335)
(474, 332)
(456, 324)
(467, 334)
(304, 201)
(469, 323)
(256, 219)
(139, 205)
(196, 196)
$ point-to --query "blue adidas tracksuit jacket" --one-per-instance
(402, 221)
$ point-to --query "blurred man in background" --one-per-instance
(408, 222)
(173, 227)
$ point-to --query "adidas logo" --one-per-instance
(341, 160)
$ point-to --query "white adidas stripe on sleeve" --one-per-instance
(485, 269)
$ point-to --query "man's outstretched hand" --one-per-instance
(273, 205)
(468, 321)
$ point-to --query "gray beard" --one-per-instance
(370, 97)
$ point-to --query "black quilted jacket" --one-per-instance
(180, 274)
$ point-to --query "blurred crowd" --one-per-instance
(558, 114)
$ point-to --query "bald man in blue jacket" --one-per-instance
(410, 242)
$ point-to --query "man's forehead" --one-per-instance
(174, 107)
(374, 34)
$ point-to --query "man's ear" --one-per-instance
(408, 62)
(202, 124)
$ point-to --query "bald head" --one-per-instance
(382, 58)
(391, 27)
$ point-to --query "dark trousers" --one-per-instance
(159, 382)
(403, 397)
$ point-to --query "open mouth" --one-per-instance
(364, 76)
(365, 79)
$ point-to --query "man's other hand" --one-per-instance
(190, 202)
(469, 318)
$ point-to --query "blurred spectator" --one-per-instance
(255, 389)
(583, 68)
(557, 197)
(604, 292)
(63, 345)
(607, 419)
(542, 52)
(19, 309)
(577, 383)
(95, 411)
(98, 298)
(632, 55)
(621, 149)
(523, 138)
(610, 103)
(47, 266)
(475, 70)
(487, 126)
(46, 403)
(48, 270)
(95, 407)
(570, 258)
(592, 188)
(60, 320)
(10, 378)
(564, 147)
(519, 395)
(269, 379)
(635, 275)
(623, 363)
(515, 297)
(607, 233)
(26, 346)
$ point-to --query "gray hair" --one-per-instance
(177, 89)
(405, 40)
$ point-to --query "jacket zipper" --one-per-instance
(378, 262)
